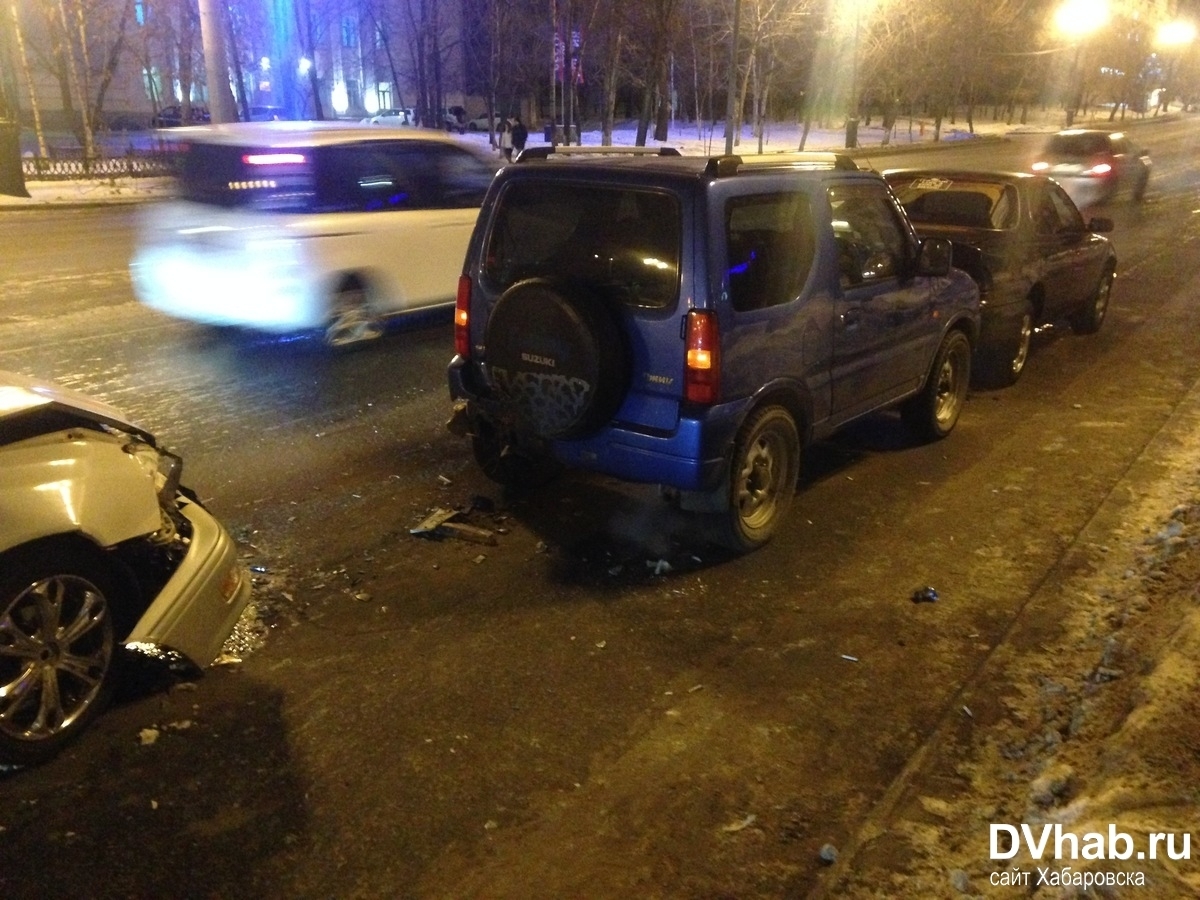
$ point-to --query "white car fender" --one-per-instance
(77, 481)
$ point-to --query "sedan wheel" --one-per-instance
(1002, 365)
(1089, 319)
(351, 321)
(57, 651)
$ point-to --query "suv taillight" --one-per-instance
(702, 374)
(462, 318)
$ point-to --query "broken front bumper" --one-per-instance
(200, 604)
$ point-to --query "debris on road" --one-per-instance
(924, 595)
(440, 523)
(734, 827)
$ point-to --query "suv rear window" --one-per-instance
(622, 242)
(355, 177)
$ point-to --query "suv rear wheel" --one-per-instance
(763, 474)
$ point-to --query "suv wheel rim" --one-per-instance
(950, 388)
(758, 481)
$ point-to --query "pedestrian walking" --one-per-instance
(520, 134)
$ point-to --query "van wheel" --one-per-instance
(933, 413)
(350, 317)
(762, 478)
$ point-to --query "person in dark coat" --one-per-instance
(520, 134)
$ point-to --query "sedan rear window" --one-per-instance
(620, 242)
(1078, 145)
(968, 203)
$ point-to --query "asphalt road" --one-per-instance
(600, 705)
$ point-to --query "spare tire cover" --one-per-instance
(556, 358)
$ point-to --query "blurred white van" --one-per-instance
(290, 226)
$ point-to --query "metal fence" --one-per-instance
(140, 165)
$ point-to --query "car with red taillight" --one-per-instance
(1095, 166)
(694, 322)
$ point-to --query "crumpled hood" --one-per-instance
(26, 401)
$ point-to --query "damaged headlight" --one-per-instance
(164, 467)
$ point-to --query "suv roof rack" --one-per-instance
(726, 165)
(545, 152)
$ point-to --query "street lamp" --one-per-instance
(1173, 37)
(1077, 19)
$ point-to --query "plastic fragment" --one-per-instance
(924, 595)
(739, 826)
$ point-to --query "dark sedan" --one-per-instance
(1027, 246)
(172, 117)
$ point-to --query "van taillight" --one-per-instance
(462, 318)
(702, 374)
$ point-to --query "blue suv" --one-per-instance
(695, 322)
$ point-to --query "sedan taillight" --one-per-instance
(462, 318)
(702, 374)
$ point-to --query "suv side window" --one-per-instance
(870, 241)
(771, 247)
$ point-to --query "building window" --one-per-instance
(349, 32)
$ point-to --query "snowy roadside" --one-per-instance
(1087, 717)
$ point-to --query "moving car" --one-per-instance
(290, 226)
(1095, 166)
(1026, 245)
(172, 117)
(100, 546)
(693, 322)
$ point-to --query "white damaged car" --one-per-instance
(100, 547)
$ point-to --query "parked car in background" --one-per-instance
(100, 547)
(290, 226)
(455, 119)
(486, 123)
(395, 118)
(1095, 166)
(267, 113)
(1026, 245)
(694, 322)
(172, 117)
